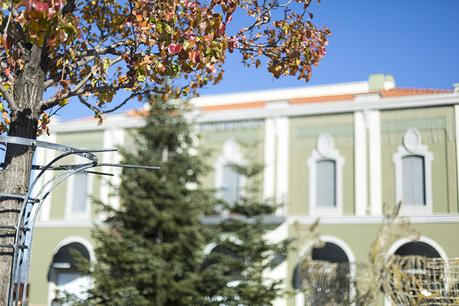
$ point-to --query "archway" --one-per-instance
(325, 279)
(64, 275)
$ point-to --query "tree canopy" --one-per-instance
(94, 49)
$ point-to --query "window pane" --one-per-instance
(80, 187)
(413, 180)
(230, 184)
(326, 183)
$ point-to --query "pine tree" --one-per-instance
(149, 251)
(234, 271)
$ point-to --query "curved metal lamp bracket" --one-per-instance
(38, 191)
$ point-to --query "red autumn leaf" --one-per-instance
(174, 49)
(38, 5)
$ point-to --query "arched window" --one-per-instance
(416, 270)
(417, 248)
(326, 279)
(325, 178)
(64, 275)
(413, 174)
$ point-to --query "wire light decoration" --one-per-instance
(418, 280)
(40, 188)
(338, 284)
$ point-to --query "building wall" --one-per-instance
(436, 126)
(366, 135)
(47, 240)
(304, 132)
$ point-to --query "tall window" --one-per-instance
(413, 174)
(80, 193)
(228, 182)
(77, 197)
(231, 184)
(326, 183)
(325, 178)
(414, 186)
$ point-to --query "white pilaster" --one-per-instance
(269, 159)
(113, 138)
(42, 157)
(281, 271)
(282, 128)
(456, 120)
(374, 141)
(360, 163)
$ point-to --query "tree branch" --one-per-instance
(7, 96)
(133, 95)
(89, 105)
(78, 89)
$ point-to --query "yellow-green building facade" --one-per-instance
(336, 152)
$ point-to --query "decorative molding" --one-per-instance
(325, 150)
(232, 125)
(412, 145)
(345, 130)
(402, 124)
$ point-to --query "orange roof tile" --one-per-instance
(321, 99)
(255, 104)
(399, 92)
(395, 92)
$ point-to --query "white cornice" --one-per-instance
(125, 121)
(67, 224)
(271, 219)
(430, 219)
(332, 107)
(282, 94)
(89, 124)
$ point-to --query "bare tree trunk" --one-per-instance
(14, 178)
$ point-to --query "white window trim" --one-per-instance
(231, 154)
(69, 214)
(325, 150)
(412, 145)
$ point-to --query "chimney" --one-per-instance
(456, 87)
(379, 82)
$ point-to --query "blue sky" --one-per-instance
(417, 41)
